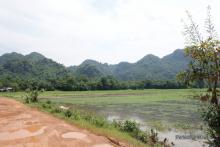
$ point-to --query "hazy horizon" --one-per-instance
(108, 31)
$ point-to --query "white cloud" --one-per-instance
(70, 31)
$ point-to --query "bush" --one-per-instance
(48, 102)
(130, 126)
(143, 137)
(100, 122)
(76, 115)
(133, 129)
(46, 106)
(56, 110)
(31, 95)
(153, 136)
(211, 115)
(68, 113)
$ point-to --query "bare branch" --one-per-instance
(209, 25)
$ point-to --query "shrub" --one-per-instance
(153, 136)
(130, 126)
(76, 115)
(56, 110)
(143, 137)
(48, 102)
(117, 124)
(31, 95)
(44, 105)
(211, 115)
(133, 129)
(100, 122)
(68, 113)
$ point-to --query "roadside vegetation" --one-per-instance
(204, 51)
(31, 95)
(127, 131)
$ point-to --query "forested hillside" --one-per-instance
(17, 71)
(149, 67)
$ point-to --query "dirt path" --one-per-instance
(21, 126)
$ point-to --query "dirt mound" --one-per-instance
(22, 126)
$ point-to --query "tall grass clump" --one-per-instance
(31, 95)
(134, 130)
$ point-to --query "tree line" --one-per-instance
(81, 83)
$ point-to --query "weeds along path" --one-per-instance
(23, 126)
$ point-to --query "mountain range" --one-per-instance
(37, 66)
(149, 67)
(32, 66)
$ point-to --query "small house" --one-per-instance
(6, 89)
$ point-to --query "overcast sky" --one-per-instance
(70, 31)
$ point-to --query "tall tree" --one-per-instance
(204, 51)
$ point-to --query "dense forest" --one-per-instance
(20, 71)
(149, 67)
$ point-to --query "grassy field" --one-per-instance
(155, 108)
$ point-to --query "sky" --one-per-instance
(109, 31)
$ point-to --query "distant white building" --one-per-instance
(6, 89)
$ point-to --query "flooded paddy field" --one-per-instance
(161, 109)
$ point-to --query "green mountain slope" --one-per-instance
(36, 66)
(32, 66)
(149, 67)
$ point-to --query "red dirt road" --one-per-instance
(21, 126)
